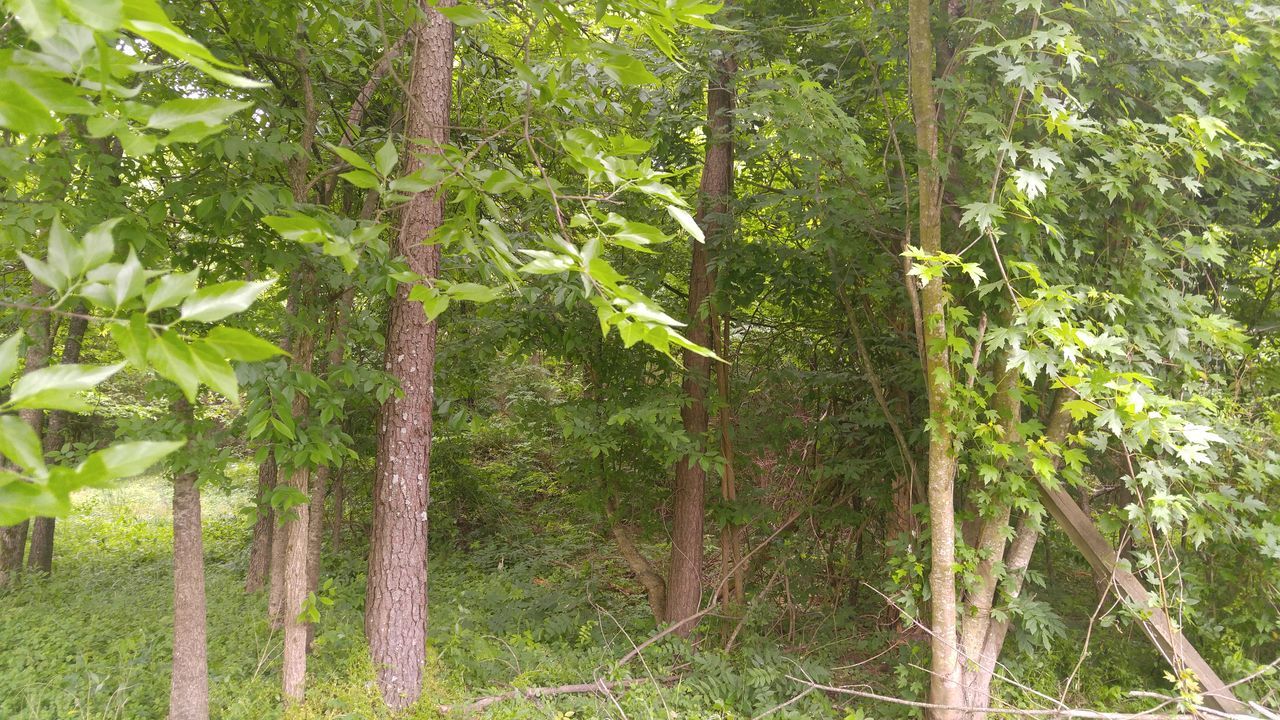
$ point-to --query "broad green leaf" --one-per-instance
(43, 272)
(133, 339)
(19, 443)
(99, 245)
(123, 460)
(215, 371)
(38, 17)
(170, 290)
(55, 387)
(463, 15)
(386, 158)
(352, 157)
(21, 500)
(236, 344)
(687, 222)
(183, 111)
(212, 303)
(22, 112)
(433, 302)
(9, 357)
(360, 178)
(473, 292)
(101, 15)
(65, 254)
(171, 358)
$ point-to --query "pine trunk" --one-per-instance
(396, 606)
(684, 582)
(189, 683)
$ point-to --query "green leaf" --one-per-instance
(215, 302)
(133, 339)
(463, 15)
(52, 388)
(433, 303)
(236, 344)
(386, 158)
(19, 443)
(171, 358)
(351, 157)
(65, 254)
(99, 245)
(9, 357)
(123, 460)
(687, 222)
(361, 179)
(170, 290)
(214, 371)
(210, 111)
(473, 292)
(38, 17)
(101, 15)
(22, 112)
(44, 273)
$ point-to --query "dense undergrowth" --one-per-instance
(536, 601)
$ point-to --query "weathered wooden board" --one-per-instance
(1102, 557)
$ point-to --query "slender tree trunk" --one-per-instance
(42, 528)
(260, 546)
(275, 594)
(296, 533)
(396, 606)
(13, 538)
(684, 581)
(336, 515)
(320, 478)
(189, 683)
(945, 683)
(730, 537)
(978, 679)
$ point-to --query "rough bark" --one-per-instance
(275, 595)
(13, 538)
(189, 683)
(396, 606)
(40, 557)
(260, 546)
(945, 682)
(296, 531)
(654, 586)
(684, 580)
(339, 509)
(730, 537)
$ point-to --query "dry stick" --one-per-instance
(1060, 712)
(598, 687)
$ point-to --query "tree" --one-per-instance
(189, 684)
(396, 606)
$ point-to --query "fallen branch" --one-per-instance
(1050, 712)
(598, 687)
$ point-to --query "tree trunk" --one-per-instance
(189, 683)
(945, 683)
(336, 515)
(296, 532)
(13, 538)
(42, 528)
(260, 547)
(275, 595)
(396, 606)
(684, 581)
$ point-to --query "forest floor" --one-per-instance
(543, 608)
(540, 602)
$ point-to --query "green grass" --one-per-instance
(540, 605)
